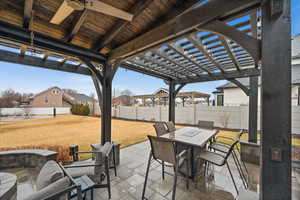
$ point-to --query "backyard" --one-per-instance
(65, 130)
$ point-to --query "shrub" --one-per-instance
(80, 109)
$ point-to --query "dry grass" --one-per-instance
(66, 130)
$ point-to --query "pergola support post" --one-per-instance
(106, 105)
(173, 91)
(253, 102)
(172, 97)
(103, 84)
(276, 102)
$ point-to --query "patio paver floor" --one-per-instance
(128, 185)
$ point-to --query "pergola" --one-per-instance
(178, 41)
(164, 94)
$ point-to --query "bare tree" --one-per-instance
(92, 95)
(9, 98)
(126, 92)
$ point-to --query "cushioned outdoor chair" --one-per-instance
(54, 182)
(163, 150)
(98, 146)
(222, 144)
(96, 169)
(170, 126)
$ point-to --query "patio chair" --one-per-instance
(54, 182)
(206, 124)
(163, 150)
(112, 160)
(210, 157)
(161, 129)
(170, 126)
(95, 169)
(224, 146)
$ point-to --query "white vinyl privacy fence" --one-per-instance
(233, 117)
(34, 111)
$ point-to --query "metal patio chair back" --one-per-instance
(210, 157)
(206, 124)
(160, 128)
(170, 126)
(163, 149)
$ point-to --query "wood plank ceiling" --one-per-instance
(192, 55)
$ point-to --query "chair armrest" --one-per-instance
(67, 190)
(75, 166)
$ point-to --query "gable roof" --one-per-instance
(55, 87)
(245, 81)
(161, 89)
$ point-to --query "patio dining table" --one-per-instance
(192, 139)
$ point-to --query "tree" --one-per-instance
(69, 91)
(92, 95)
(127, 93)
(9, 98)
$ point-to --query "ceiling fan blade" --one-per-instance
(62, 13)
(104, 8)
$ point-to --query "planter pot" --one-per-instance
(250, 152)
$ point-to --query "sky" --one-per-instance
(27, 79)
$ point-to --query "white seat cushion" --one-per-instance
(50, 173)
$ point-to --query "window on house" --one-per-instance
(46, 99)
(55, 91)
(220, 100)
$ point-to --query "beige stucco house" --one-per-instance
(230, 95)
(56, 97)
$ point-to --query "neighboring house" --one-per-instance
(123, 100)
(56, 97)
(230, 95)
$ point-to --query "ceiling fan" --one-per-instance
(68, 6)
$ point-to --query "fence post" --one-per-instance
(195, 116)
(136, 113)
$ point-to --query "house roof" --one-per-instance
(46, 91)
(82, 98)
(245, 81)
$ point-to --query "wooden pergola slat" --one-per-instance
(183, 62)
(28, 5)
(76, 25)
(180, 25)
